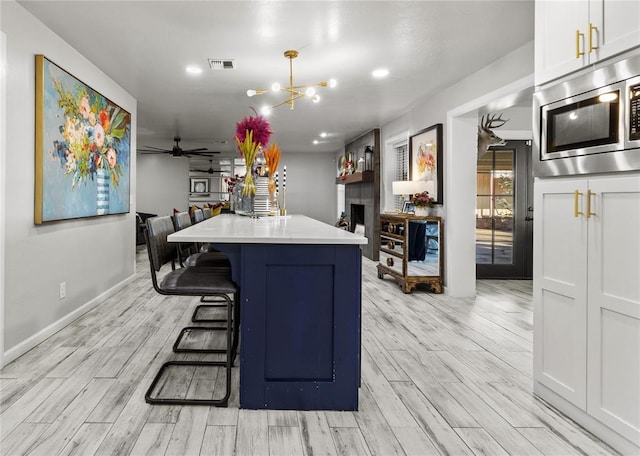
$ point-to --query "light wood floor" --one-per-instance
(439, 376)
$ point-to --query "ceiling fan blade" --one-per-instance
(148, 152)
(199, 154)
(199, 149)
(153, 148)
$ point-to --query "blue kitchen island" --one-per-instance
(300, 291)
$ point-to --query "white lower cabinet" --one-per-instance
(587, 301)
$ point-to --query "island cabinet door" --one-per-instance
(300, 319)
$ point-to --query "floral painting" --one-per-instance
(83, 143)
(425, 160)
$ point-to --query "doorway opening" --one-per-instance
(504, 213)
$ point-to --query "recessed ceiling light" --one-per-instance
(193, 69)
(380, 73)
(324, 134)
(315, 141)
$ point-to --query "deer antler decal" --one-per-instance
(486, 136)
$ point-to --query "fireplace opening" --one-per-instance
(357, 215)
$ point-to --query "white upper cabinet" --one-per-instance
(570, 35)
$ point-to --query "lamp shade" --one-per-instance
(402, 187)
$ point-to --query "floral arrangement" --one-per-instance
(231, 182)
(422, 200)
(92, 132)
(426, 160)
(272, 157)
(252, 134)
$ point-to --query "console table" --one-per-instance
(300, 286)
(411, 250)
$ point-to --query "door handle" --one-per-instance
(589, 195)
(576, 212)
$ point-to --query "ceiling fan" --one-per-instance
(178, 151)
(210, 170)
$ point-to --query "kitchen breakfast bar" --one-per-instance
(300, 295)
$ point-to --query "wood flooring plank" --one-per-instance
(380, 438)
(21, 439)
(446, 404)
(562, 427)
(383, 358)
(113, 402)
(547, 442)
(188, 432)
(444, 438)
(316, 434)
(283, 418)
(13, 416)
(125, 431)
(86, 441)
(388, 402)
(153, 439)
(285, 441)
(58, 434)
(481, 442)
(219, 441)
(508, 437)
(415, 442)
(340, 419)
(220, 416)
(252, 438)
(58, 400)
(350, 442)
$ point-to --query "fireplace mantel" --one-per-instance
(356, 178)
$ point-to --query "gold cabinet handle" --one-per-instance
(591, 29)
(578, 35)
(576, 212)
(589, 195)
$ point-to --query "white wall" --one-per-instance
(3, 173)
(93, 256)
(460, 159)
(163, 184)
(311, 187)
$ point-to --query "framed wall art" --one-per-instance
(408, 208)
(425, 160)
(83, 149)
(199, 185)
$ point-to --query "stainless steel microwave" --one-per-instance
(589, 124)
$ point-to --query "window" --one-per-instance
(402, 171)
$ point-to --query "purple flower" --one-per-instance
(260, 127)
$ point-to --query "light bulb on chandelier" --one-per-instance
(294, 91)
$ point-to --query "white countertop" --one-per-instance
(290, 229)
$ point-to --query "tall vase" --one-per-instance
(243, 204)
(102, 195)
(273, 196)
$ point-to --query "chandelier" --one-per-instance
(294, 92)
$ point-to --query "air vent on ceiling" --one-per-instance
(222, 64)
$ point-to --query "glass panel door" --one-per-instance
(502, 243)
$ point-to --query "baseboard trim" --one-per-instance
(603, 432)
(26, 345)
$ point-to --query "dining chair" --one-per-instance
(198, 216)
(191, 281)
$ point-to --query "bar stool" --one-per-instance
(190, 257)
(191, 281)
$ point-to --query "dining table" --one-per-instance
(300, 284)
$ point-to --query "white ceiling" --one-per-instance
(146, 45)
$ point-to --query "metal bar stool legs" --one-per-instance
(166, 367)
